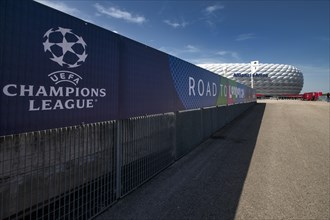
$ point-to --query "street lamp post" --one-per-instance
(224, 69)
(254, 68)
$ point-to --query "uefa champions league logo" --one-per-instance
(68, 50)
(65, 48)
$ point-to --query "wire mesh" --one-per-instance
(147, 148)
(66, 173)
(77, 172)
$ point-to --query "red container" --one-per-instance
(311, 96)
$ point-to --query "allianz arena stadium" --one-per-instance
(268, 79)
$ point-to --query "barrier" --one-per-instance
(58, 173)
(146, 148)
(88, 115)
(67, 72)
(77, 172)
(189, 131)
(222, 121)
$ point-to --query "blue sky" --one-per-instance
(284, 31)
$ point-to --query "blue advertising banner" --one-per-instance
(57, 71)
(198, 88)
(146, 85)
(48, 69)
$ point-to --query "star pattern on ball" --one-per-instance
(61, 44)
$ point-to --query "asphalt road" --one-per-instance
(270, 163)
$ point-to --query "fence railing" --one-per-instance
(77, 172)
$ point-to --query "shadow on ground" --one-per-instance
(205, 184)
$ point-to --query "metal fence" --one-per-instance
(66, 173)
(147, 145)
(77, 172)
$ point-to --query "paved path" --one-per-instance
(270, 163)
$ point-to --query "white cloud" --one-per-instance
(197, 55)
(61, 6)
(211, 17)
(222, 53)
(167, 50)
(120, 14)
(213, 8)
(191, 49)
(176, 24)
(228, 53)
(245, 36)
(179, 52)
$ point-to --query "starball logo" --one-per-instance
(69, 51)
(65, 47)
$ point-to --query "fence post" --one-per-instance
(119, 158)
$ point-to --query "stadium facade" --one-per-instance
(268, 79)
